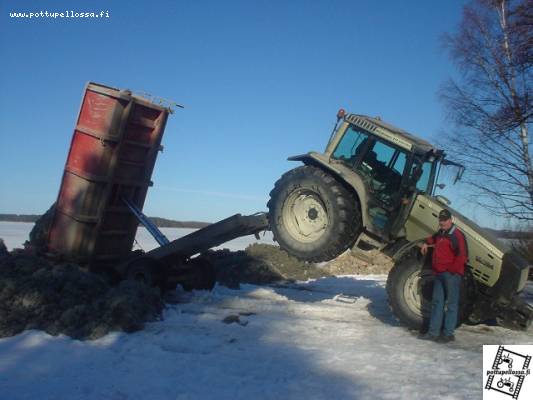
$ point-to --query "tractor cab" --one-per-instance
(394, 166)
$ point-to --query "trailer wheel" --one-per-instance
(199, 274)
(410, 289)
(312, 215)
(145, 270)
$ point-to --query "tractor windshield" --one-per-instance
(352, 144)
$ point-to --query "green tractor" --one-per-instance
(374, 188)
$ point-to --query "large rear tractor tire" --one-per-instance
(410, 289)
(312, 216)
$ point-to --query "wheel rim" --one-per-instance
(417, 292)
(140, 276)
(305, 216)
(141, 270)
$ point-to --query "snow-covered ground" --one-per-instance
(333, 338)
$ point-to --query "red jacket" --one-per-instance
(450, 252)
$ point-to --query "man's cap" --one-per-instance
(445, 215)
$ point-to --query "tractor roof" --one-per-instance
(396, 135)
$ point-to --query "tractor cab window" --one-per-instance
(424, 174)
(383, 167)
(423, 182)
(351, 145)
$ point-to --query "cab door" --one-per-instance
(383, 168)
(419, 217)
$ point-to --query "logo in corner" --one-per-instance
(508, 376)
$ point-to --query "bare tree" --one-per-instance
(490, 104)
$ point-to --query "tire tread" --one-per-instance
(343, 234)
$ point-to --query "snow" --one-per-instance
(332, 338)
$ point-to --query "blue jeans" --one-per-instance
(446, 289)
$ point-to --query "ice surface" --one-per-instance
(332, 338)
(16, 233)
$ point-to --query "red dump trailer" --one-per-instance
(112, 154)
(106, 177)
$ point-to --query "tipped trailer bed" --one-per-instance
(116, 140)
(114, 147)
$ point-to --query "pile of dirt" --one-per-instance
(39, 233)
(36, 293)
(65, 299)
(260, 264)
(350, 263)
(3, 248)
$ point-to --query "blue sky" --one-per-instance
(260, 81)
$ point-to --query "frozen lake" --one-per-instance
(16, 233)
(330, 338)
(325, 339)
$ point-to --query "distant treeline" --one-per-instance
(19, 217)
(508, 234)
(160, 222)
(169, 223)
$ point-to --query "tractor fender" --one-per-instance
(344, 174)
(403, 246)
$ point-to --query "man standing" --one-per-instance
(448, 264)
